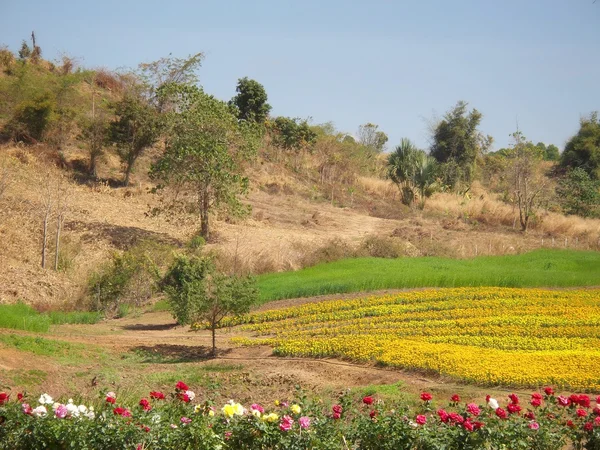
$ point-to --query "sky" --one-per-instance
(399, 64)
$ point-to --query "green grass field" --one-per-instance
(540, 268)
(23, 317)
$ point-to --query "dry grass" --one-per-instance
(378, 187)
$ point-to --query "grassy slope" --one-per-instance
(547, 268)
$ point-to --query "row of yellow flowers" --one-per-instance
(524, 337)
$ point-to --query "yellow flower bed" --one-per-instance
(521, 337)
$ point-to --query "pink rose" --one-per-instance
(421, 419)
(304, 422)
(286, 423)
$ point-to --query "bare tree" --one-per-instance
(528, 184)
(62, 205)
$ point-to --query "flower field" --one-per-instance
(179, 420)
(492, 336)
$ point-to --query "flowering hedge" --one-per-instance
(179, 421)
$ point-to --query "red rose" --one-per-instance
(121, 412)
(426, 396)
(548, 390)
(373, 414)
(596, 411)
(478, 425)
(570, 424)
(501, 413)
(536, 402)
(184, 398)
(421, 419)
(513, 408)
(468, 425)
(337, 411)
(20, 396)
(455, 398)
(443, 415)
(563, 401)
(368, 400)
(4, 398)
(536, 395)
(110, 400)
(456, 418)
(589, 426)
(581, 413)
(584, 401)
(530, 415)
(182, 386)
(574, 399)
(156, 395)
(487, 398)
(145, 404)
(473, 409)
(598, 399)
(514, 399)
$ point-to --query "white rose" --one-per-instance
(45, 399)
(493, 403)
(40, 411)
(191, 395)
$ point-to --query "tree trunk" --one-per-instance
(214, 342)
(92, 168)
(127, 174)
(57, 243)
(204, 208)
(45, 238)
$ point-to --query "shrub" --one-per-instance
(130, 278)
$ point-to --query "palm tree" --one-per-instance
(412, 170)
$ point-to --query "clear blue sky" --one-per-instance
(394, 63)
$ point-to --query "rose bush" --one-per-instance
(182, 421)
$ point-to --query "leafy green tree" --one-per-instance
(205, 150)
(413, 171)
(198, 295)
(137, 127)
(457, 143)
(551, 153)
(292, 133)
(24, 51)
(583, 149)
(251, 101)
(370, 136)
(579, 193)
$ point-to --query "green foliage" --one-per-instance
(370, 137)
(583, 149)
(251, 101)
(205, 154)
(137, 127)
(130, 278)
(198, 295)
(292, 134)
(551, 152)
(560, 268)
(31, 118)
(94, 135)
(456, 145)
(579, 193)
(24, 51)
(413, 171)
(23, 317)
(184, 286)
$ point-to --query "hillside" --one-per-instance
(290, 226)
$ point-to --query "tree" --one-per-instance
(94, 132)
(136, 128)
(199, 295)
(169, 71)
(551, 153)
(457, 143)
(205, 150)
(579, 193)
(526, 179)
(251, 101)
(583, 149)
(413, 171)
(369, 136)
(292, 133)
